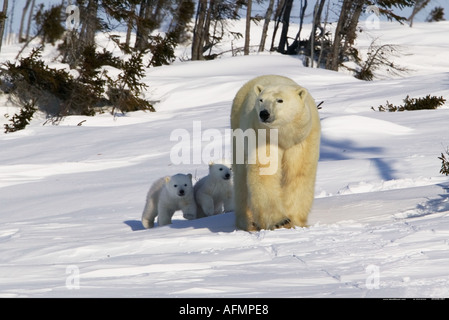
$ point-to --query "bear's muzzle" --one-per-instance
(264, 116)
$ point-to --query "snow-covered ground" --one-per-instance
(71, 196)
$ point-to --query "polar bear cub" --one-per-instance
(167, 195)
(214, 192)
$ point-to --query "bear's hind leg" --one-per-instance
(149, 214)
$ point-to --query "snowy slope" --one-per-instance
(71, 196)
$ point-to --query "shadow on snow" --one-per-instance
(335, 150)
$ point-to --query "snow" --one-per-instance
(71, 195)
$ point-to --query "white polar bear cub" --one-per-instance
(214, 192)
(167, 195)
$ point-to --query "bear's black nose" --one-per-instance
(181, 192)
(264, 115)
(227, 176)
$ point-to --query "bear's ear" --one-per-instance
(302, 92)
(190, 176)
(211, 163)
(167, 179)
(258, 89)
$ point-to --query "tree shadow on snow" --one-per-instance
(434, 205)
(224, 222)
(334, 150)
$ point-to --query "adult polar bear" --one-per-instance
(285, 197)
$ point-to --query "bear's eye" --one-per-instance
(280, 100)
(175, 186)
(185, 185)
(221, 169)
(261, 100)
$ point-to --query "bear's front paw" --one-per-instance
(253, 227)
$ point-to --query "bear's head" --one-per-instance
(285, 108)
(279, 105)
(179, 185)
(219, 171)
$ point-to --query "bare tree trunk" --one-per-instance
(351, 29)
(315, 25)
(130, 25)
(142, 31)
(265, 26)
(419, 4)
(207, 43)
(333, 58)
(74, 42)
(285, 25)
(199, 31)
(294, 47)
(11, 21)
(3, 21)
(30, 18)
(22, 20)
(277, 18)
(324, 42)
(182, 16)
(90, 27)
(345, 33)
(248, 27)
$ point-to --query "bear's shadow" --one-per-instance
(224, 222)
(135, 225)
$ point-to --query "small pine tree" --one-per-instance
(124, 92)
(21, 120)
(162, 49)
(437, 14)
(444, 164)
(378, 57)
(49, 24)
(411, 104)
(58, 93)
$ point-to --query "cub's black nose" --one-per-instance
(264, 115)
(181, 192)
(227, 176)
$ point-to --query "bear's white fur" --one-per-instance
(214, 192)
(167, 195)
(282, 199)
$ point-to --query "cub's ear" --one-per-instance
(167, 179)
(258, 89)
(301, 92)
(211, 163)
(190, 176)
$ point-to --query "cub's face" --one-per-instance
(180, 184)
(220, 171)
(277, 106)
